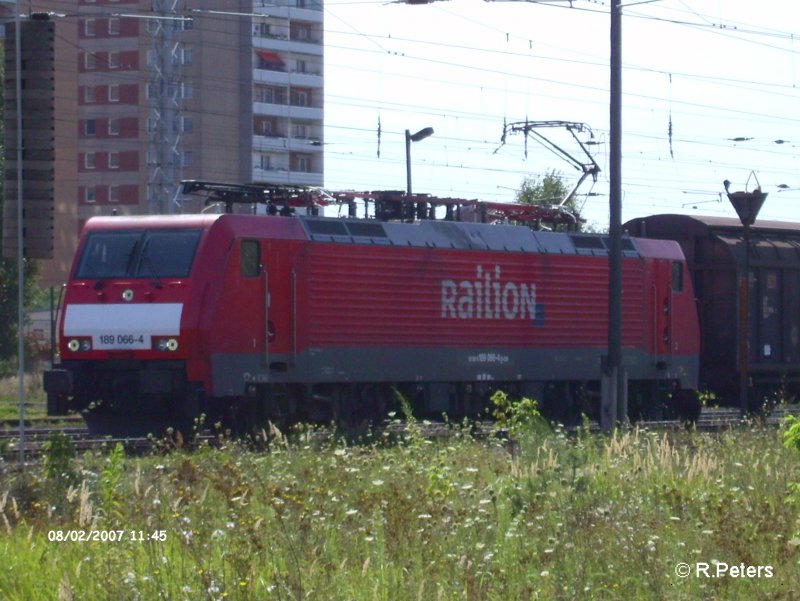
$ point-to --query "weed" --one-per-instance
(110, 485)
(519, 416)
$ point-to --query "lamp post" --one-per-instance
(747, 205)
(417, 137)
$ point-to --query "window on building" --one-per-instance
(301, 67)
(187, 90)
(113, 26)
(90, 127)
(187, 56)
(89, 194)
(113, 127)
(90, 28)
(89, 95)
(113, 160)
(88, 160)
(301, 33)
(187, 124)
(113, 194)
(265, 162)
(301, 98)
(113, 93)
(302, 163)
(265, 127)
(188, 158)
(113, 60)
(89, 61)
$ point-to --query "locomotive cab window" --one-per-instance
(138, 254)
(677, 276)
(250, 258)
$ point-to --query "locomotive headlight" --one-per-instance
(167, 344)
(80, 344)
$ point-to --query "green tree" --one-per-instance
(8, 303)
(549, 191)
(8, 267)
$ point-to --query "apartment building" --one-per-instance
(149, 93)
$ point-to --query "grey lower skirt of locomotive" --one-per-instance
(127, 397)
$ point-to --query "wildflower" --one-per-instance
(350, 512)
(217, 534)
(424, 516)
(377, 482)
(186, 589)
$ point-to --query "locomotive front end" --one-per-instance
(126, 338)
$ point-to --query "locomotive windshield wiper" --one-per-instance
(145, 259)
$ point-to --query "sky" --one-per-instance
(710, 92)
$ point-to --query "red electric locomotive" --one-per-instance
(247, 317)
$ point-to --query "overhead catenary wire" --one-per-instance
(335, 100)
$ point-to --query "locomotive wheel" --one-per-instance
(686, 405)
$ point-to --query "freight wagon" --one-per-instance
(715, 252)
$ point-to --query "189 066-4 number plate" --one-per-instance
(130, 341)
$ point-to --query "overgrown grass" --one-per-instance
(34, 397)
(565, 517)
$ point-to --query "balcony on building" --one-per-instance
(300, 10)
(285, 36)
(296, 169)
(287, 69)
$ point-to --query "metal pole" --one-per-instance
(408, 166)
(613, 368)
(744, 325)
(20, 242)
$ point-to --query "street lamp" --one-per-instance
(747, 205)
(417, 137)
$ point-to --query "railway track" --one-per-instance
(715, 419)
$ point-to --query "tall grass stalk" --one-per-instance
(567, 517)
